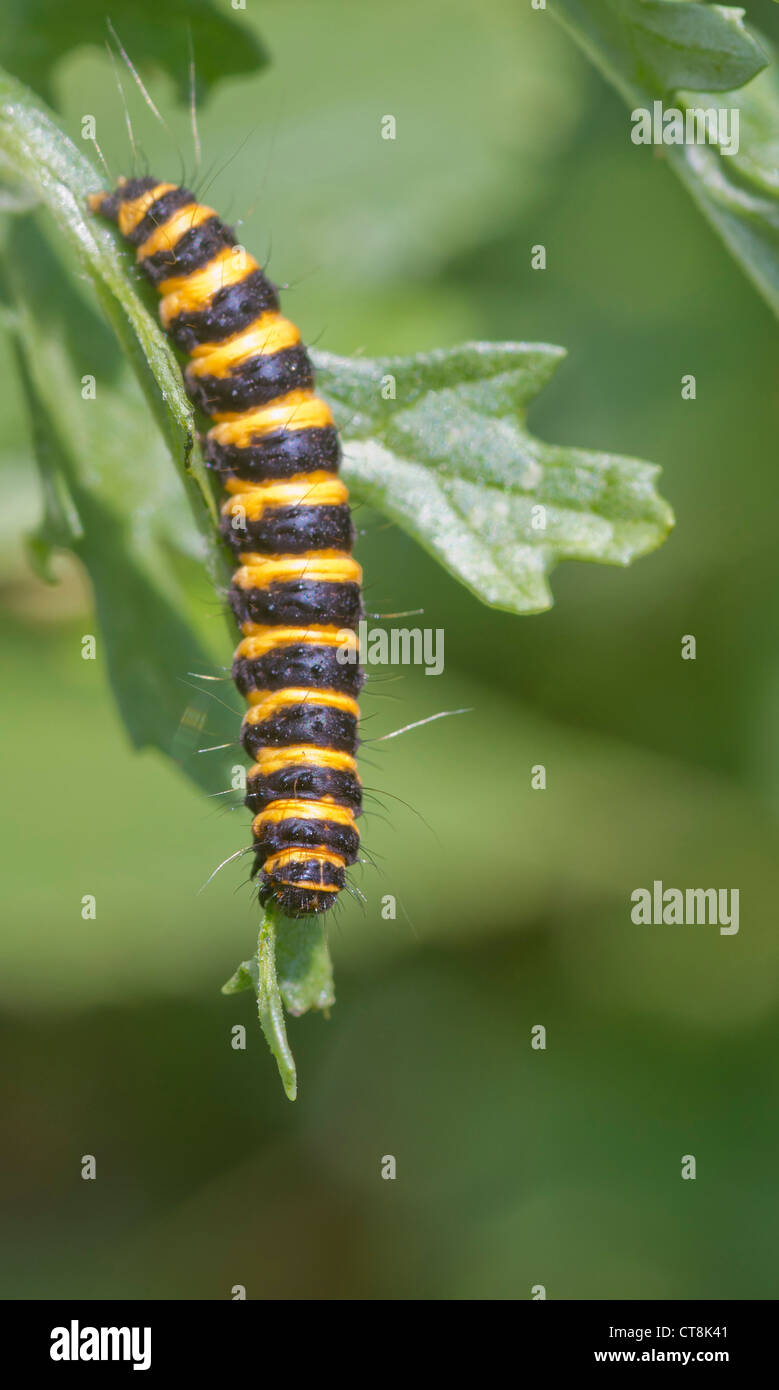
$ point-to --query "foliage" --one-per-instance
(437, 441)
(701, 56)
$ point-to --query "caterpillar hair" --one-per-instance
(286, 518)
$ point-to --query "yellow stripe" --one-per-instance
(301, 856)
(203, 349)
(260, 639)
(269, 702)
(303, 810)
(270, 760)
(190, 293)
(134, 211)
(268, 334)
(251, 500)
(298, 480)
(165, 236)
(318, 566)
(299, 410)
(312, 887)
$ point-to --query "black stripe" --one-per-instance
(111, 202)
(194, 249)
(279, 455)
(158, 213)
(303, 899)
(298, 902)
(299, 603)
(313, 872)
(321, 725)
(298, 833)
(304, 782)
(259, 381)
(292, 530)
(300, 665)
(133, 188)
(230, 310)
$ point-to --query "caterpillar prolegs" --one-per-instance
(286, 518)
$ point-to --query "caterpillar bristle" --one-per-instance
(286, 517)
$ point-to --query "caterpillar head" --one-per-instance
(107, 204)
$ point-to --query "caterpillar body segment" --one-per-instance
(286, 518)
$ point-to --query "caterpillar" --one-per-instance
(286, 518)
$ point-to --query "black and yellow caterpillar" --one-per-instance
(286, 518)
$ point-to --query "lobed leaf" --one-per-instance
(450, 459)
(700, 56)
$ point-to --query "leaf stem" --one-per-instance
(269, 1004)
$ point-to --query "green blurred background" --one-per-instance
(515, 1167)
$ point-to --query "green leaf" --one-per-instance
(147, 607)
(451, 461)
(38, 33)
(280, 942)
(449, 458)
(292, 970)
(303, 965)
(247, 976)
(109, 497)
(60, 526)
(305, 972)
(269, 1005)
(701, 56)
(676, 43)
(739, 193)
(36, 153)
